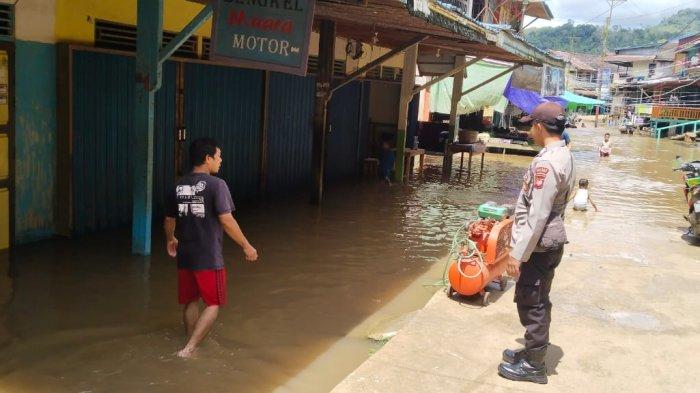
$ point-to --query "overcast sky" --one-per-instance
(632, 13)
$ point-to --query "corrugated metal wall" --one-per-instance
(164, 139)
(290, 131)
(344, 112)
(220, 102)
(103, 86)
(224, 103)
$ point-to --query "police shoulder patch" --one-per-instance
(541, 173)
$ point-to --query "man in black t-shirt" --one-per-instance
(199, 209)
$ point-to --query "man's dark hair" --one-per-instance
(607, 134)
(583, 183)
(201, 148)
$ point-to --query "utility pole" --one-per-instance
(612, 4)
(571, 44)
(567, 79)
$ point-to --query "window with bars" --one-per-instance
(338, 66)
(206, 47)
(374, 73)
(312, 65)
(119, 36)
(388, 73)
(187, 49)
(385, 73)
(7, 20)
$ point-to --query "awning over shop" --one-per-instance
(576, 99)
(489, 95)
(393, 23)
(527, 100)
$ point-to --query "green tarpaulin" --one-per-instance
(489, 95)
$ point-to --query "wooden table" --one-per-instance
(409, 159)
(497, 145)
(471, 148)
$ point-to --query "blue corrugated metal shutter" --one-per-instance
(103, 86)
(164, 139)
(290, 131)
(342, 141)
(224, 103)
(364, 121)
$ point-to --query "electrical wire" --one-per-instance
(655, 12)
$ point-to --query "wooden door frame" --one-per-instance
(9, 47)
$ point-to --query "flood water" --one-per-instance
(83, 315)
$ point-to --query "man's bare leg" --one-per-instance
(201, 329)
(190, 315)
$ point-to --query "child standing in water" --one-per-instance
(582, 197)
(606, 147)
(387, 161)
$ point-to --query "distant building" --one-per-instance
(642, 62)
(687, 58)
(582, 72)
(500, 12)
(659, 82)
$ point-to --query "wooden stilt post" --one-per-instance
(408, 81)
(457, 82)
(149, 32)
(326, 56)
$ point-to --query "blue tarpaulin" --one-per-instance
(527, 100)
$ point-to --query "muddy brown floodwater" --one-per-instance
(83, 315)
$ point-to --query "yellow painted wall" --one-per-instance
(352, 65)
(35, 20)
(75, 19)
(75, 22)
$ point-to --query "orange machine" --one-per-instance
(482, 258)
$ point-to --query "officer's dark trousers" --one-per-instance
(532, 296)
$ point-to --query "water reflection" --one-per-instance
(84, 315)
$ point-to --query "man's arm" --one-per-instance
(171, 241)
(233, 230)
(544, 191)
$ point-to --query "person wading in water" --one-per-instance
(199, 209)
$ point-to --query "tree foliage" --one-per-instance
(588, 38)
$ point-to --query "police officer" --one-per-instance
(538, 239)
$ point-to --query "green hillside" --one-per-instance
(589, 37)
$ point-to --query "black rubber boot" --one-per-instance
(513, 356)
(531, 368)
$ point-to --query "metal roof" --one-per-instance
(538, 9)
(580, 61)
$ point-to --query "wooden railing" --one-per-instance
(665, 112)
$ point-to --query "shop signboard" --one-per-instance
(264, 34)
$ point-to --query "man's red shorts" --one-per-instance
(210, 285)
